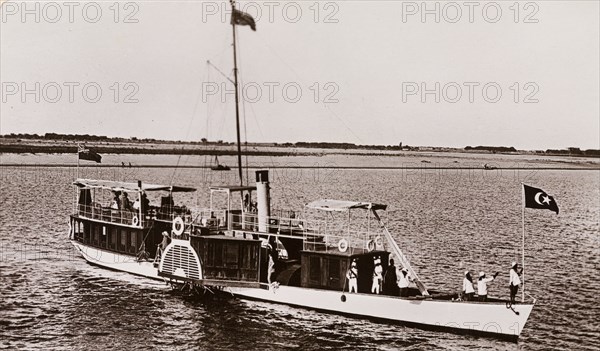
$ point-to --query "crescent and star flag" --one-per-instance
(243, 19)
(87, 154)
(537, 198)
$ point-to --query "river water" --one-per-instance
(446, 221)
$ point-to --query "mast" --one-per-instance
(523, 242)
(237, 107)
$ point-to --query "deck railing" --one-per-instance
(131, 217)
(317, 234)
(120, 216)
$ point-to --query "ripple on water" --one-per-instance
(447, 223)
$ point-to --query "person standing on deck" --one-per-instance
(514, 281)
(163, 244)
(390, 278)
(468, 290)
(377, 277)
(404, 282)
(352, 276)
(271, 267)
(482, 285)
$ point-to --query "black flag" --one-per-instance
(537, 198)
(243, 19)
(87, 154)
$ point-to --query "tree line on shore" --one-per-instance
(15, 147)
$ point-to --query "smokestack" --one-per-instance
(263, 200)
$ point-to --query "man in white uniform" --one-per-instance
(515, 281)
(482, 285)
(352, 276)
(377, 275)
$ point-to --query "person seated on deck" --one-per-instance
(468, 290)
(390, 278)
(352, 276)
(377, 275)
(514, 281)
(404, 281)
(482, 285)
(115, 202)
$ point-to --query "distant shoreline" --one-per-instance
(12, 145)
(424, 168)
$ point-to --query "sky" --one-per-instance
(504, 73)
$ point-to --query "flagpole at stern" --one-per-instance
(523, 242)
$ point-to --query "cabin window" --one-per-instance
(248, 259)
(103, 238)
(132, 242)
(314, 273)
(123, 241)
(218, 255)
(210, 254)
(96, 238)
(334, 272)
(231, 254)
(113, 239)
(86, 236)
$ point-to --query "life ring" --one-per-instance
(178, 226)
(370, 245)
(135, 221)
(378, 242)
(343, 245)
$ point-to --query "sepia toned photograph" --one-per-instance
(299, 175)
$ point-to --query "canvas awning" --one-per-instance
(341, 205)
(129, 186)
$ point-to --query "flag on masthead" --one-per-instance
(242, 19)
(537, 198)
(87, 154)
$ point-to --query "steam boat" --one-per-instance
(300, 258)
(309, 258)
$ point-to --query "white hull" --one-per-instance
(494, 319)
(118, 262)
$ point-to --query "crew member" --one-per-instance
(163, 244)
(271, 269)
(352, 276)
(514, 281)
(377, 275)
(482, 285)
(144, 203)
(404, 282)
(468, 290)
(390, 280)
(247, 203)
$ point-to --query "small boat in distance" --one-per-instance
(219, 167)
